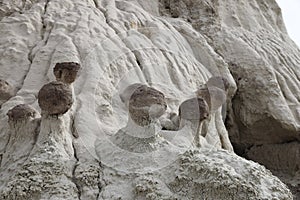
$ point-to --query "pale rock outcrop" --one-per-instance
(23, 131)
(196, 174)
(173, 46)
(263, 60)
(140, 135)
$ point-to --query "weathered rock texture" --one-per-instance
(21, 112)
(146, 104)
(174, 46)
(66, 72)
(55, 98)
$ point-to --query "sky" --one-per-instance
(291, 15)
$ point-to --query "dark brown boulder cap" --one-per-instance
(55, 98)
(21, 112)
(146, 103)
(194, 109)
(66, 71)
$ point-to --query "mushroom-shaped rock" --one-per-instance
(195, 109)
(21, 112)
(219, 82)
(214, 96)
(146, 104)
(66, 72)
(6, 91)
(55, 98)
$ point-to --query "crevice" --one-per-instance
(100, 182)
(30, 56)
(43, 30)
(74, 180)
(96, 3)
(73, 128)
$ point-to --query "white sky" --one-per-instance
(291, 15)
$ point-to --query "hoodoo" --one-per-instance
(194, 111)
(21, 112)
(146, 104)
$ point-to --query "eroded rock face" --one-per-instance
(146, 104)
(277, 157)
(6, 91)
(119, 42)
(55, 98)
(66, 72)
(21, 112)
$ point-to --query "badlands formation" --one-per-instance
(69, 128)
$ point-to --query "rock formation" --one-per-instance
(146, 104)
(173, 46)
(21, 112)
(66, 72)
(22, 130)
(195, 111)
(55, 98)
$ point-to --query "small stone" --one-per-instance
(55, 98)
(146, 104)
(21, 112)
(66, 72)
